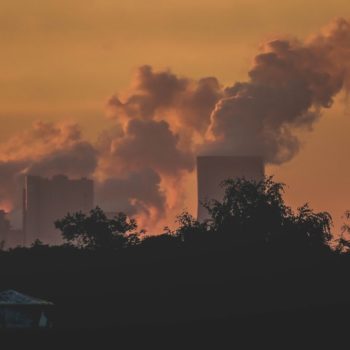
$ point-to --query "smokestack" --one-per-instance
(212, 170)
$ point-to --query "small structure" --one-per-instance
(18, 310)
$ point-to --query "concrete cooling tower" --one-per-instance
(212, 170)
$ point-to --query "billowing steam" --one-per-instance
(46, 150)
(152, 149)
(289, 85)
(164, 120)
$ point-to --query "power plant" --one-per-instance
(212, 170)
(47, 200)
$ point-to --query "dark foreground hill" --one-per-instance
(256, 270)
(180, 294)
(139, 287)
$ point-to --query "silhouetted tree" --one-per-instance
(307, 228)
(255, 212)
(38, 244)
(190, 230)
(96, 231)
(159, 243)
(343, 242)
(249, 211)
(346, 225)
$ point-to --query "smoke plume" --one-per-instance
(138, 194)
(162, 121)
(289, 84)
(46, 149)
(158, 121)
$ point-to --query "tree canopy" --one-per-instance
(250, 213)
(253, 212)
(96, 231)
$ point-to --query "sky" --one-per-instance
(63, 60)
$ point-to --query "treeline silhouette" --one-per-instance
(254, 258)
(251, 213)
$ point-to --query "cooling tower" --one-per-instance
(212, 170)
(47, 200)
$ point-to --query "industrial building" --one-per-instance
(47, 200)
(212, 170)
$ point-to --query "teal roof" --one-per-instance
(12, 297)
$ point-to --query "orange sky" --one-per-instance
(62, 59)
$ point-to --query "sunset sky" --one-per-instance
(63, 60)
